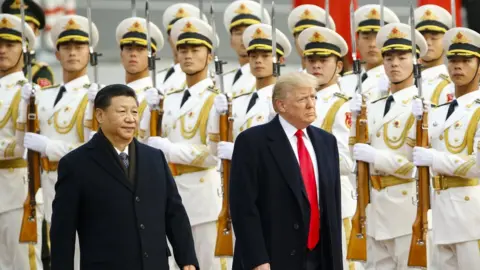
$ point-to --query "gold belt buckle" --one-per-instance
(440, 183)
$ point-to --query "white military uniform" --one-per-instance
(177, 79)
(391, 213)
(245, 82)
(13, 168)
(456, 199)
(192, 130)
(374, 86)
(261, 112)
(14, 182)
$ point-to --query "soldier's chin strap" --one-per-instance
(436, 59)
(411, 74)
(204, 67)
(476, 71)
(331, 78)
(14, 66)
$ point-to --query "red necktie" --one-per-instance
(308, 175)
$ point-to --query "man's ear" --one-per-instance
(99, 115)
(281, 60)
(339, 67)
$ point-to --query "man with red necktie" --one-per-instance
(285, 187)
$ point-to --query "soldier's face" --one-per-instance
(10, 54)
(73, 56)
(173, 47)
(134, 58)
(324, 68)
(261, 63)
(398, 65)
(193, 59)
(368, 49)
(435, 46)
(120, 118)
(463, 69)
(298, 106)
(236, 41)
(34, 28)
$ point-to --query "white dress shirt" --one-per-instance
(292, 138)
(124, 151)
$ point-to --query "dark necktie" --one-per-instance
(364, 77)
(451, 108)
(169, 73)
(237, 76)
(252, 102)
(124, 158)
(308, 176)
(60, 95)
(387, 105)
(186, 95)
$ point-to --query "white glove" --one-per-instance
(364, 152)
(163, 144)
(422, 156)
(92, 92)
(225, 150)
(418, 107)
(152, 97)
(356, 103)
(35, 142)
(221, 104)
(28, 90)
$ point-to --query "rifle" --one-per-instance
(417, 256)
(327, 14)
(93, 57)
(357, 246)
(157, 114)
(276, 65)
(224, 243)
(28, 231)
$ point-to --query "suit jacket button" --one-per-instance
(295, 226)
(145, 255)
(137, 199)
(142, 226)
(293, 252)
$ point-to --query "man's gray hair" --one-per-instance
(292, 81)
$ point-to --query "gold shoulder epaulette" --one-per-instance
(21, 82)
(350, 72)
(477, 100)
(173, 91)
(231, 71)
(445, 77)
(241, 93)
(87, 85)
(384, 97)
(50, 87)
(341, 95)
(212, 88)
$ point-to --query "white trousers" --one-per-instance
(204, 236)
(13, 254)
(459, 256)
(390, 254)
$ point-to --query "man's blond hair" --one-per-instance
(291, 81)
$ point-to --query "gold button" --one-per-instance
(10, 169)
(467, 198)
(241, 128)
(378, 134)
(64, 122)
(394, 137)
(202, 180)
(441, 137)
(404, 192)
(175, 126)
(438, 192)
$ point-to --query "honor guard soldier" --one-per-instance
(132, 38)
(13, 168)
(323, 50)
(174, 77)
(254, 107)
(367, 20)
(303, 17)
(433, 21)
(391, 213)
(35, 17)
(454, 135)
(61, 108)
(237, 17)
(190, 133)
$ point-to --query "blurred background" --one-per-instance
(107, 14)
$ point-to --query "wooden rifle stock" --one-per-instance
(357, 246)
(224, 244)
(28, 232)
(417, 256)
(156, 120)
